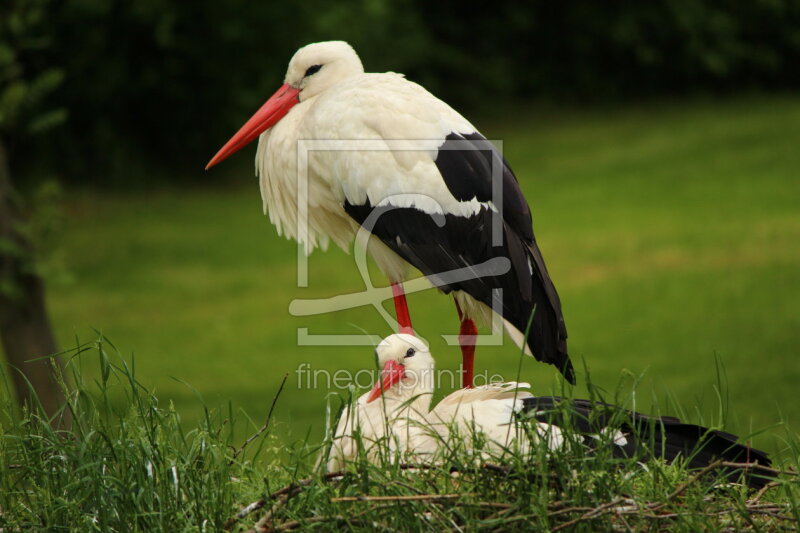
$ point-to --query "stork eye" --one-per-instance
(313, 69)
(410, 352)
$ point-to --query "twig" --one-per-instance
(282, 495)
(261, 525)
(406, 485)
(682, 487)
(621, 507)
(759, 468)
(626, 524)
(420, 466)
(568, 510)
(767, 509)
(594, 513)
(410, 497)
(265, 427)
(502, 514)
(307, 481)
(491, 467)
(763, 490)
(295, 524)
(244, 511)
(492, 505)
(293, 489)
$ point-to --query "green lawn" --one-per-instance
(672, 232)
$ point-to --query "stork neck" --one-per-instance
(415, 391)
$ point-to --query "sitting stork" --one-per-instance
(395, 417)
(428, 197)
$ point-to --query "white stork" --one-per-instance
(431, 209)
(395, 417)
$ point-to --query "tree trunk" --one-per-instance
(25, 331)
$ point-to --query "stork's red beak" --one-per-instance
(270, 113)
(391, 375)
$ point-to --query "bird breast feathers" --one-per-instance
(403, 125)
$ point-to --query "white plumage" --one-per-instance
(347, 104)
(395, 424)
(400, 424)
(396, 168)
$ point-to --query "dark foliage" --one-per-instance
(158, 86)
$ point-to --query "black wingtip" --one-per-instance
(663, 437)
(569, 372)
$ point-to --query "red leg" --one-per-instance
(401, 309)
(466, 339)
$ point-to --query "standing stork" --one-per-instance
(432, 209)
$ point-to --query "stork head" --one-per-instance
(313, 68)
(407, 366)
(318, 66)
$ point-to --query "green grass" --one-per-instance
(670, 229)
(138, 466)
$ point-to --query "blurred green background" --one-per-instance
(657, 144)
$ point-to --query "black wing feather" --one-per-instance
(440, 243)
(664, 437)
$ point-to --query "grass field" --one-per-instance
(136, 465)
(672, 232)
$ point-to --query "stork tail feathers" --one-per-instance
(538, 312)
